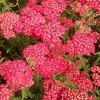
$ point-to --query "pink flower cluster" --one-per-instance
(81, 26)
(83, 83)
(53, 91)
(82, 44)
(5, 92)
(37, 52)
(95, 75)
(35, 17)
(35, 20)
(52, 32)
(69, 94)
(68, 23)
(30, 19)
(8, 22)
(18, 76)
(91, 3)
(77, 77)
(78, 7)
(51, 66)
(47, 63)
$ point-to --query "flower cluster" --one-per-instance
(17, 73)
(82, 44)
(52, 32)
(78, 7)
(77, 77)
(91, 4)
(46, 62)
(37, 52)
(30, 19)
(96, 75)
(52, 90)
(83, 83)
(8, 22)
(81, 26)
(68, 23)
(51, 66)
(55, 91)
(5, 92)
(34, 18)
(70, 94)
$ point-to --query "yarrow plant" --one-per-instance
(50, 50)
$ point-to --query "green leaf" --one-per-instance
(97, 58)
(13, 97)
(97, 53)
(71, 85)
(22, 3)
(37, 89)
(96, 93)
(85, 64)
(2, 59)
(97, 61)
(16, 98)
(24, 93)
(68, 35)
(58, 77)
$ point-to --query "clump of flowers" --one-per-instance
(81, 26)
(52, 32)
(17, 73)
(37, 52)
(82, 44)
(91, 4)
(55, 49)
(51, 66)
(30, 18)
(52, 90)
(95, 75)
(47, 62)
(68, 23)
(55, 91)
(5, 92)
(82, 10)
(83, 82)
(8, 21)
(70, 94)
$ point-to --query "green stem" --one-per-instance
(17, 4)
(4, 2)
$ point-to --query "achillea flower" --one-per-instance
(5, 92)
(17, 73)
(82, 44)
(7, 23)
